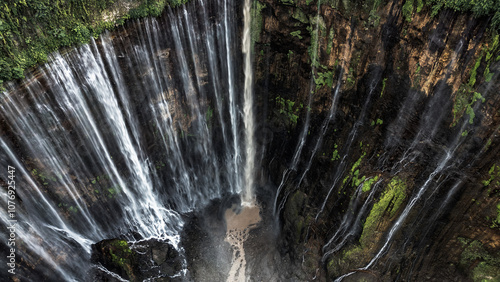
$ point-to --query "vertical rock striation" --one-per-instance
(402, 119)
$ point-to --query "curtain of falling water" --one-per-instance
(247, 195)
(122, 135)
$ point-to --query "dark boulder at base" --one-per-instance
(117, 259)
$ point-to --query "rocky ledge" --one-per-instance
(117, 260)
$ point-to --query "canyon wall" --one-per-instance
(378, 132)
(385, 126)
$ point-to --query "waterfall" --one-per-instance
(247, 195)
(440, 171)
(154, 134)
(121, 136)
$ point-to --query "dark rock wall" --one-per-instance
(406, 96)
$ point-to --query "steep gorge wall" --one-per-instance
(407, 92)
(79, 163)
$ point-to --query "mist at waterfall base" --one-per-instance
(147, 133)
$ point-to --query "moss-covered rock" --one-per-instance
(117, 257)
(485, 266)
(295, 223)
(388, 204)
(299, 15)
(144, 260)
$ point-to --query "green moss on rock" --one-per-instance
(256, 28)
(294, 205)
(464, 102)
(317, 30)
(335, 154)
(354, 174)
(289, 109)
(494, 174)
(116, 255)
(388, 204)
(292, 212)
(367, 185)
(324, 78)
(296, 34)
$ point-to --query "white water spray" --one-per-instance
(247, 197)
(121, 134)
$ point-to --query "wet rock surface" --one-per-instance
(405, 104)
(396, 115)
(116, 259)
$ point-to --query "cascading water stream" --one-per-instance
(351, 222)
(128, 132)
(303, 134)
(429, 126)
(228, 32)
(249, 119)
(352, 136)
(324, 126)
(149, 134)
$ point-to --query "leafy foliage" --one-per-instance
(479, 8)
(494, 174)
(324, 78)
(488, 268)
(407, 10)
(464, 102)
(296, 34)
(335, 154)
(354, 174)
(466, 96)
(31, 29)
(289, 109)
(367, 185)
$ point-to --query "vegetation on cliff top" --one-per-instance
(31, 29)
(488, 8)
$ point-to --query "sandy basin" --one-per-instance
(239, 220)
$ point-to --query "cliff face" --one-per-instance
(385, 127)
(379, 133)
